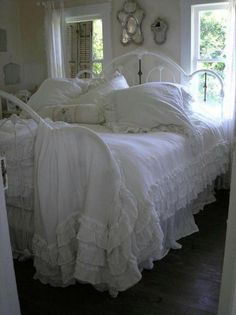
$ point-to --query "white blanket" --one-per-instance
(102, 199)
(84, 215)
(99, 208)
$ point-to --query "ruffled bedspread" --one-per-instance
(104, 205)
(83, 212)
(17, 139)
(102, 201)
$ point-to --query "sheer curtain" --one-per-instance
(54, 31)
(230, 73)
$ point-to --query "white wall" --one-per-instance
(10, 21)
(27, 33)
(227, 304)
(166, 9)
(34, 66)
(23, 21)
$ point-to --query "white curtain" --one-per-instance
(230, 73)
(54, 31)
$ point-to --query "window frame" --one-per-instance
(92, 12)
(195, 27)
(187, 28)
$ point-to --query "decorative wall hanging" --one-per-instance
(11, 73)
(3, 40)
(131, 17)
(159, 28)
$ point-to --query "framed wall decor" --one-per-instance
(159, 28)
(130, 18)
(3, 40)
(11, 73)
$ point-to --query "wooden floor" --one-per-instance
(185, 282)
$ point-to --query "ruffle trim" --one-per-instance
(98, 254)
(184, 184)
(111, 255)
(115, 271)
(126, 127)
(78, 258)
(21, 228)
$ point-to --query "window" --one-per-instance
(88, 38)
(84, 47)
(209, 24)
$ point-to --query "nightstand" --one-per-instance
(7, 108)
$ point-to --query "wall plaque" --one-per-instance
(3, 40)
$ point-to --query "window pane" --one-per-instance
(84, 46)
(97, 67)
(218, 67)
(97, 40)
(212, 34)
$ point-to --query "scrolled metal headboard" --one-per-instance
(145, 66)
(162, 68)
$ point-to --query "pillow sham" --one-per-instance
(145, 107)
(57, 91)
(77, 113)
(178, 91)
(100, 87)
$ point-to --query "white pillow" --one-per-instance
(78, 113)
(57, 91)
(99, 87)
(178, 91)
(145, 107)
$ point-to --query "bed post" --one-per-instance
(140, 70)
(205, 86)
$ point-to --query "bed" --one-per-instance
(105, 174)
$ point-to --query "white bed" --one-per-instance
(98, 202)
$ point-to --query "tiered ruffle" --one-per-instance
(112, 257)
(20, 193)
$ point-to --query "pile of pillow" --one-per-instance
(112, 101)
(74, 100)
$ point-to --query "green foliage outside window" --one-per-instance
(212, 35)
(97, 50)
(97, 67)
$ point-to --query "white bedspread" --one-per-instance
(102, 199)
(86, 233)
(98, 212)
